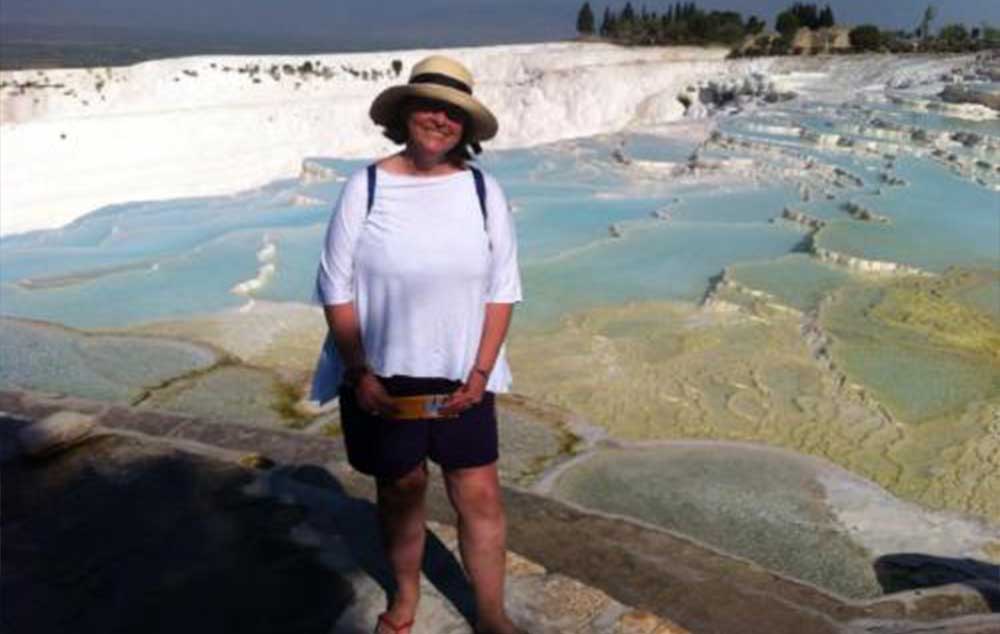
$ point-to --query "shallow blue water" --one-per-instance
(939, 220)
(152, 260)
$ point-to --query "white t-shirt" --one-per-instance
(420, 268)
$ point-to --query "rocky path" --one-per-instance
(569, 570)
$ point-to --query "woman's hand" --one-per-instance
(468, 395)
(372, 396)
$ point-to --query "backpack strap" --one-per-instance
(477, 176)
(371, 188)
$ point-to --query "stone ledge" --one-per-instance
(667, 576)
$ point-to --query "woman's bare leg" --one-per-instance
(482, 535)
(402, 514)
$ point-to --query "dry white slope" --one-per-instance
(72, 140)
(76, 139)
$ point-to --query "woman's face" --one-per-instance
(434, 127)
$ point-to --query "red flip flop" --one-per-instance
(397, 628)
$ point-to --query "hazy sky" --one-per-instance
(408, 23)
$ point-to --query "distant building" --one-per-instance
(834, 39)
(909, 43)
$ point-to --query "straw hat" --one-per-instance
(442, 79)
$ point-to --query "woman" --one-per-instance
(418, 279)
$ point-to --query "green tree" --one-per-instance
(606, 28)
(865, 37)
(585, 20)
(628, 13)
(787, 23)
(682, 22)
(729, 33)
(991, 35)
(826, 17)
(925, 24)
(699, 26)
(954, 34)
(626, 26)
(808, 14)
(780, 46)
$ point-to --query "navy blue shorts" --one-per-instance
(389, 449)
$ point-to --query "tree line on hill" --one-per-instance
(681, 23)
(686, 23)
(803, 15)
(951, 38)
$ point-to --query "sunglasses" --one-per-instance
(454, 113)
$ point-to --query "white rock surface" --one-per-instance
(77, 139)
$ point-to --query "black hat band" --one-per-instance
(442, 80)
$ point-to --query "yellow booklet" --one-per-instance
(421, 406)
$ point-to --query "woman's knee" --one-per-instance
(476, 497)
(409, 485)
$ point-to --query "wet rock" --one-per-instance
(802, 218)
(862, 265)
(961, 93)
(733, 94)
(884, 124)
(859, 212)
(968, 139)
(315, 172)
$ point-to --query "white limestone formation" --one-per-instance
(78, 139)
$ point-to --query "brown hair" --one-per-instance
(465, 150)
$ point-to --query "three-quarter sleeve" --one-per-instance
(505, 278)
(335, 277)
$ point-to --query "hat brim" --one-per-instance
(385, 106)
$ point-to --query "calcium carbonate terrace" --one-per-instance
(810, 265)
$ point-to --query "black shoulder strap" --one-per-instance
(371, 188)
(480, 190)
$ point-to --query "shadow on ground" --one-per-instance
(915, 571)
(118, 535)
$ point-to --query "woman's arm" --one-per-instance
(335, 290)
(343, 322)
(494, 332)
(495, 327)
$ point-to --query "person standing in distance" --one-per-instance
(418, 278)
